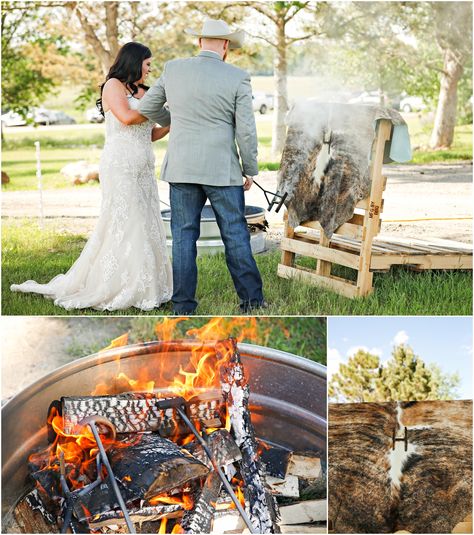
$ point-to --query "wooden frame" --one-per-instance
(355, 244)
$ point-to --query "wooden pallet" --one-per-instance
(355, 244)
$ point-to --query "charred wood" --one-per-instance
(223, 448)
(32, 516)
(263, 510)
(154, 465)
(137, 412)
(199, 519)
(137, 515)
(275, 458)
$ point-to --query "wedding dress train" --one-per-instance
(124, 263)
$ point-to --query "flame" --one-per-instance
(200, 375)
(122, 340)
(162, 529)
(184, 499)
(166, 329)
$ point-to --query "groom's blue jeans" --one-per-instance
(187, 202)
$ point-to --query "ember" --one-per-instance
(177, 455)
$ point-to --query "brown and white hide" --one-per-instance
(360, 494)
(324, 167)
(429, 488)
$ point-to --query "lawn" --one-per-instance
(62, 145)
(29, 253)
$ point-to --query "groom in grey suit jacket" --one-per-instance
(210, 103)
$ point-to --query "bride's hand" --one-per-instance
(159, 132)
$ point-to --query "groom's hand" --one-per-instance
(248, 183)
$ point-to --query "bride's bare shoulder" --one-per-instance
(113, 84)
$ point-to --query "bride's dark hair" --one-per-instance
(127, 68)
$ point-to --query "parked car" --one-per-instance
(369, 97)
(44, 116)
(409, 104)
(262, 102)
(93, 115)
(12, 118)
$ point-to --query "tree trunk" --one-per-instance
(445, 120)
(106, 56)
(281, 91)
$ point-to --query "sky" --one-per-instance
(445, 341)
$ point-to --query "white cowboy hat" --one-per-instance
(218, 29)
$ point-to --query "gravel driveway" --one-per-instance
(426, 192)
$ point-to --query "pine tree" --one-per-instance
(403, 378)
(356, 380)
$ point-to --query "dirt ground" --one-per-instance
(438, 195)
(35, 346)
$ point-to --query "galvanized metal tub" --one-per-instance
(209, 240)
(288, 400)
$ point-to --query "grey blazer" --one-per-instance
(210, 103)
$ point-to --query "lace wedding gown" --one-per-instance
(125, 263)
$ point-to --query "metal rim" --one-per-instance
(128, 351)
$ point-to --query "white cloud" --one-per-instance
(400, 338)
(334, 361)
(467, 349)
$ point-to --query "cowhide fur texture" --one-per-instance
(325, 162)
(435, 488)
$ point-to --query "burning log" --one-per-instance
(149, 513)
(33, 516)
(137, 412)
(223, 448)
(263, 510)
(154, 465)
(199, 520)
(225, 451)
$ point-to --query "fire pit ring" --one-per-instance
(288, 400)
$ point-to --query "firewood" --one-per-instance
(223, 448)
(275, 458)
(228, 522)
(305, 466)
(32, 516)
(100, 500)
(154, 465)
(148, 513)
(263, 510)
(137, 412)
(225, 451)
(288, 487)
(199, 519)
(304, 512)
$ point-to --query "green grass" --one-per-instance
(29, 253)
(304, 336)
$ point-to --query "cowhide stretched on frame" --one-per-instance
(434, 491)
(325, 162)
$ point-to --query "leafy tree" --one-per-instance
(23, 83)
(356, 380)
(403, 378)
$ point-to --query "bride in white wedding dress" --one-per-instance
(124, 263)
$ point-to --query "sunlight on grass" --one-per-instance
(29, 253)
